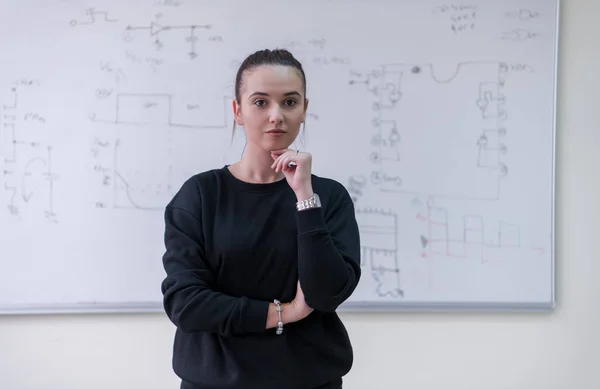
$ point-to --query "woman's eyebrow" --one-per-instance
(292, 93)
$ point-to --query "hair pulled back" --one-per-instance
(279, 57)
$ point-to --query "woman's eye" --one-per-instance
(287, 103)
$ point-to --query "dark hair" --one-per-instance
(280, 57)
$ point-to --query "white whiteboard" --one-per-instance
(438, 117)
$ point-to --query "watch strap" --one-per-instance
(312, 202)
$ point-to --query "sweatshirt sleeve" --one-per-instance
(189, 297)
(328, 254)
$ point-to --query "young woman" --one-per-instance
(260, 253)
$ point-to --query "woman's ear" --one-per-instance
(305, 108)
(237, 113)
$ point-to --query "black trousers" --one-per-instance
(337, 384)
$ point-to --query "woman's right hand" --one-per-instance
(298, 305)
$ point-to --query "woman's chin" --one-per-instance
(277, 145)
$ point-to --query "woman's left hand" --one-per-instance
(298, 176)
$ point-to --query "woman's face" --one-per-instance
(272, 106)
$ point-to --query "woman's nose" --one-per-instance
(275, 115)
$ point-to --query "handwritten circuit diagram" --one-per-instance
(92, 16)
(455, 158)
(156, 31)
(467, 236)
(136, 160)
(379, 244)
(26, 155)
(400, 91)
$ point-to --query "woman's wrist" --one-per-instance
(288, 315)
(304, 193)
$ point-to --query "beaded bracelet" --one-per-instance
(280, 322)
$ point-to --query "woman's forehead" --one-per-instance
(275, 79)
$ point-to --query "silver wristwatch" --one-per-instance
(313, 202)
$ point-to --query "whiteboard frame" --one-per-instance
(350, 307)
(357, 306)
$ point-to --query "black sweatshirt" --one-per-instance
(231, 248)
